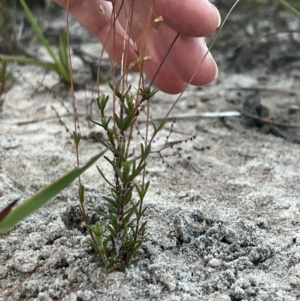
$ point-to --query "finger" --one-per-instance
(195, 18)
(167, 79)
(159, 70)
(134, 16)
(87, 13)
(188, 57)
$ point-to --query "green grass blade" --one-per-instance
(63, 47)
(29, 60)
(290, 8)
(38, 31)
(64, 55)
(43, 196)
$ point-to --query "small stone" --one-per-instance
(214, 262)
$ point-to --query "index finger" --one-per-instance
(86, 12)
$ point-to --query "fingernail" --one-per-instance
(218, 14)
(217, 69)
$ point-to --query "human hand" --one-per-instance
(185, 63)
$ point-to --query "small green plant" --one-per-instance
(59, 64)
(122, 231)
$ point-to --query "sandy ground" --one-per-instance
(223, 219)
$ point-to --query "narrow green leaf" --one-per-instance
(96, 122)
(43, 196)
(136, 247)
(104, 177)
(146, 187)
(111, 230)
(130, 244)
(97, 230)
(111, 201)
(136, 173)
(102, 101)
(290, 8)
(30, 60)
(147, 151)
(63, 63)
(105, 243)
(131, 208)
(38, 31)
(63, 48)
(126, 168)
(81, 194)
(111, 86)
(142, 191)
(142, 150)
(142, 212)
(124, 232)
(128, 195)
(133, 165)
(118, 121)
(134, 261)
(139, 190)
(127, 121)
(134, 207)
(118, 172)
(162, 124)
(118, 93)
(112, 209)
(142, 229)
(128, 216)
(118, 154)
(104, 214)
(76, 138)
